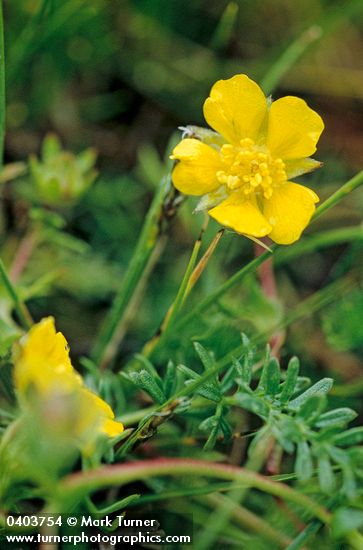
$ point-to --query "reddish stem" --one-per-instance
(268, 283)
(22, 256)
(80, 484)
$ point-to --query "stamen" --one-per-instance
(250, 169)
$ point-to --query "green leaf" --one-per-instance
(320, 388)
(205, 356)
(209, 423)
(188, 372)
(244, 371)
(215, 425)
(258, 441)
(351, 437)
(336, 417)
(264, 375)
(226, 428)
(312, 408)
(170, 379)
(339, 456)
(146, 382)
(209, 390)
(291, 378)
(349, 487)
(303, 463)
(325, 474)
(284, 438)
(211, 441)
(327, 434)
(302, 383)
(228, 380)
(356, 456)
(272, 377)
(253, 404)
(150, 369)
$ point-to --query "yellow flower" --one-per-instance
(43, 369)
(244, 169)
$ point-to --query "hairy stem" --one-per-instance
(79, 485)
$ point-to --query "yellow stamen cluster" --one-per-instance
(250, 169)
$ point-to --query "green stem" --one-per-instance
(290, 56)
(216, 294)
(206, 489)
(79, 485)
(146, 244)
(135, 416)
(182, 493)
(176, 305)
(342, 192)
(355, 540)
(20, 307)
(133, 304)
(316, 241)
(190, 278)
(248, 520)
(330, 20)
(181, 295)
(221, 515)
(223, 32)
(305, 535)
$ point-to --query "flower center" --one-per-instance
(251, 169)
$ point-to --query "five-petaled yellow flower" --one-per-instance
(43, 371)
(244, 169)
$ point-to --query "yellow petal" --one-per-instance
(95, 416)
(289, 211)
(112, 428)
(39, 342)
(236, 108)
(44, 367)
(43, 361)
(242, 215)
(195, 173)
(293, 128)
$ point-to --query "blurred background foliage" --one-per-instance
(120, 77)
